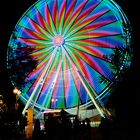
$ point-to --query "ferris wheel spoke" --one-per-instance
(42, 65)
(83, 71)
(75, 88)
(94, 34)
(68, 24)
(33, 25)
(66, 77)
(43, 24)
(94, 42)
(71, 76)
(50, 20)
(95, 63)
(93, 26)
(94, 51)
(39, 19)
(101, 19)
(39, 52)
(45, 59)
(40, 46)
(85, 13)
(87, 89)
(68, 15)
(55, 78)
(71, 83)
(42, 62)
(62, 16)
(42, 52)
(73, 59)
(33, 42)
(32, 34)
(55, 15)
(38, 85)
(86, 22)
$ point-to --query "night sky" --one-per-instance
(124, 99)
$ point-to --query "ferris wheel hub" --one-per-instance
(58, 40)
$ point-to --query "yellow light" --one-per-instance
(16, 91)
(1, 102)
(52, 100)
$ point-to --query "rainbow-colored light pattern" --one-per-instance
(68, 39)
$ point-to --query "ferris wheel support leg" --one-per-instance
(99, 106)
(38, 85)
(91, 96)
(100, 110)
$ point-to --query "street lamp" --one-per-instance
(3, 107)
(54, 101)
(1, 100)
(17, 92)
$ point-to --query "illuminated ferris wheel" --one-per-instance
(68, 53)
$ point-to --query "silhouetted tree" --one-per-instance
(20, 63)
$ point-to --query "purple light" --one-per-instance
(58, 40)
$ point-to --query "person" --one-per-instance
(66, 127)
(37, 130)
(49, 127)
(87, 129)
(76, 128)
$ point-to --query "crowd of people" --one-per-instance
(59, 127)
(62, 128)
(56, 127)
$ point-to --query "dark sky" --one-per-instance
(125, 99)
(10, 12)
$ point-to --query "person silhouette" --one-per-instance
(37, 130)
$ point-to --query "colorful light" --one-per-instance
(70, 45)
(58, 40)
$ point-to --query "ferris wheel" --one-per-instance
(68, 53)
